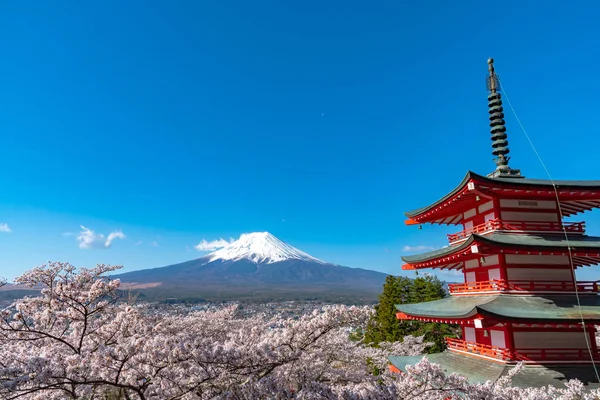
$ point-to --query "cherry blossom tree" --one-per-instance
(79, 339)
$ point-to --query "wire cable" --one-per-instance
(571, 262)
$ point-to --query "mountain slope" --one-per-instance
(257, 266)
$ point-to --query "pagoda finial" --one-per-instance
(499, 138)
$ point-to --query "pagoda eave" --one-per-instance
(448, 210)
(575, 196)
(454, 321)
(487, 320)
(559, 309)
(584, 250)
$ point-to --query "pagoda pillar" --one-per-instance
(591, 331)
(502, 264)
(510, 342)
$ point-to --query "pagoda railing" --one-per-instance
(479, 348)
(535, 355)
(518, 226)
(501, 285)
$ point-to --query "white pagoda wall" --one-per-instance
(537, 274)
(531, 217)
(533, 259)
(491, 264)
(528, 210)
(512, 210)
(478, 215)
(527, 267)
(498, 338)
(469, 334)
(549, 340)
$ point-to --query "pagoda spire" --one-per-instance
(498, 126)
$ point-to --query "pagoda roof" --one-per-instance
(481, 371)
(508, 307)
(580, 245)
(475, 369)
(578, 196)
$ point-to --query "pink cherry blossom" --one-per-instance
(80, 340)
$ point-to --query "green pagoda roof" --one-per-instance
(553, 241)
(520, 182)
(513, 307)
(481, 371)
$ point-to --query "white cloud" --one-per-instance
(410, 249)
(88, 239)
(212, 245)
(138, 243)
(4, 228)
(114, 235)
(154, 244)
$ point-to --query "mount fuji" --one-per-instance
(258, 266)
(261, 248)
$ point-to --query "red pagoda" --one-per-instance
(520, 300)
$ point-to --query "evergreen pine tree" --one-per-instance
(385, 327)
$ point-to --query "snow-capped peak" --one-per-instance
(260, 247)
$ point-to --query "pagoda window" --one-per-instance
(527, 203)
(549, 340)
(483, 275)
(483, 269)
(540, 274)
(535, 204)
(529, 216)
(469, 334)
(529, 210)
(470, 276)
(494, 274)
(498, 338)
(470, 213)
(486, 206)
(489, 217)
(491, 260)
(534, 259)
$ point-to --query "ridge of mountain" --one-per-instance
(257, 265)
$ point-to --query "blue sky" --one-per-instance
(320, 122)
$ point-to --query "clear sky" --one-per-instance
(168, 122)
